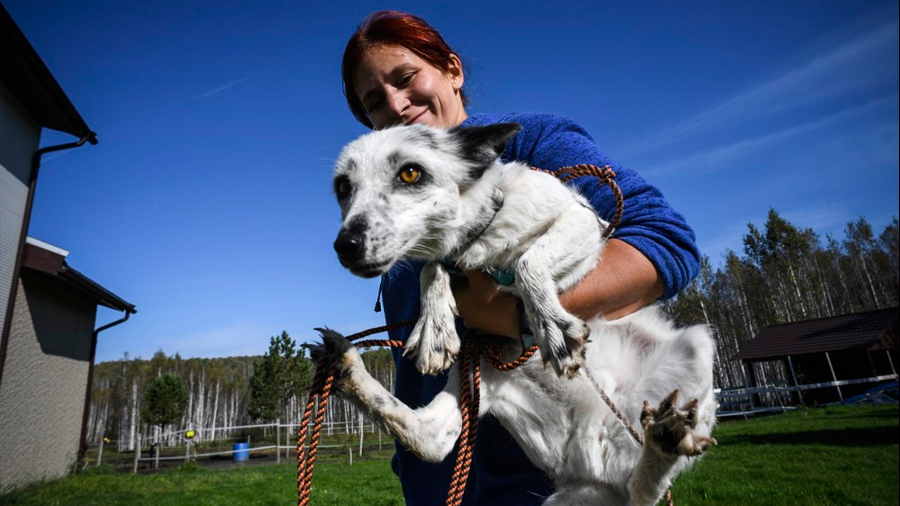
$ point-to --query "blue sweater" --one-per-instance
(501, 473)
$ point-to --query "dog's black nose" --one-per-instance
(349, 245)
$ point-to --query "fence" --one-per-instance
(769, 398)
(148, 454)
(737, 401)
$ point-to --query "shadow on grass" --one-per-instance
(842, 437)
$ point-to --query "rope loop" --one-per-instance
(605, 175)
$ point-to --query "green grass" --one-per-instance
(367, 482)
(839, 456)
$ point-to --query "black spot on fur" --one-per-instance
(481, 146)
(425, 137)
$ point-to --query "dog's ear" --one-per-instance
(481, 146)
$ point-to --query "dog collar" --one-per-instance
(473, 234)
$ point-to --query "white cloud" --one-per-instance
(224, 87)
(720, 157)
(856, 65)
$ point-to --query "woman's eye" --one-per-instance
(409, 175)
(407, 78)
(374, 105)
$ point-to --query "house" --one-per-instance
(47, 308)
(843, 352)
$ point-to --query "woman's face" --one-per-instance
(397, 87)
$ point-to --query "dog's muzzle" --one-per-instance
(350, 246)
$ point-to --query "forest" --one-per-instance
(785, 273)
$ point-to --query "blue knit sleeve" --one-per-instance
(648, 223)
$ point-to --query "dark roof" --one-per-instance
(24, 74)
(43, 257)
(845, 332)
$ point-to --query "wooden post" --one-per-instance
(794, 376)
(840, 394)
(350, 454)
(872, 363)
(751, 383)
(187, 452)
(360, 433)
(137, 453)
(277, 441)
(287, 442)
(100, 451)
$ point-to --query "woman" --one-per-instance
(398, 70)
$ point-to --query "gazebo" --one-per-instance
(831, 358)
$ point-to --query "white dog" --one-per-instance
(443, 196)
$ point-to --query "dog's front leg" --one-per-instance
(430, 431)
(559, 334)
(434, 341)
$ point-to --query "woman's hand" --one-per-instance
(622, 282)
(484, 308)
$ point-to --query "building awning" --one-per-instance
(24, 74)
(868, 330)
(51, 260)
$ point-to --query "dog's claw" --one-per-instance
(568, 359)
(334, 349)
(671, 430)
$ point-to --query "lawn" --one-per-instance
(839, 456)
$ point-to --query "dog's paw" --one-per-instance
(335, 350)
(562, 341)
(433, 344)
(670, 430)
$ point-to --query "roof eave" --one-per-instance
(27, 77)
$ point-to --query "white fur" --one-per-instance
(552, 238)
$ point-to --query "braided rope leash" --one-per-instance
(319, 392)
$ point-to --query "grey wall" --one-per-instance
(19, 139)
(44, 381)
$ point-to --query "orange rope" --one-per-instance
(323, 380)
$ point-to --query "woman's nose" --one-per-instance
(397, 103)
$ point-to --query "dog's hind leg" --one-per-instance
(434, 341)
(566, 246)
(669, 434)
(429, 432)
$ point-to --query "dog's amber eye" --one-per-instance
(410, 174)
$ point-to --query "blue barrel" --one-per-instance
(241, 452)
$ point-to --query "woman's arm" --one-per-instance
(652, 253)
(623, 282)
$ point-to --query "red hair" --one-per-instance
(391, 28)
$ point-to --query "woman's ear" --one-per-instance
(454, 72)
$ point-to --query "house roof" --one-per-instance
(51, 260)
(866, 330)
(24, 74)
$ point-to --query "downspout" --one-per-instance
(26, 219)
(82, 453)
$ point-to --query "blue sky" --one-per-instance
(207, 202)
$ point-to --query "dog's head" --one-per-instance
(403, 189)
